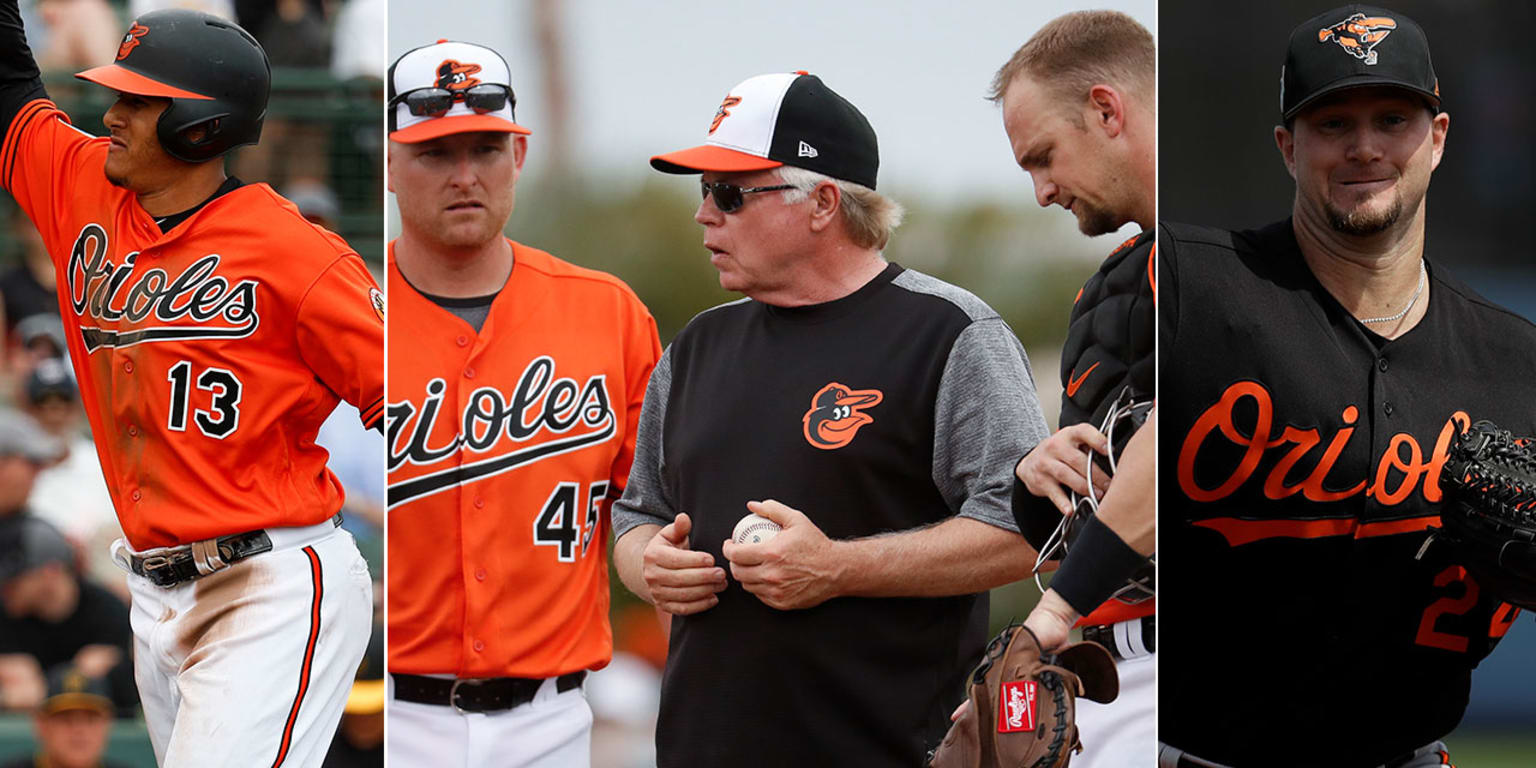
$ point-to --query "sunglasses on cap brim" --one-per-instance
(435, 102)
(730, 197)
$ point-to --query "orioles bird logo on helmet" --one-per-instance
(837, 413)
(455, 76)
(1358, 35)
(131, 40)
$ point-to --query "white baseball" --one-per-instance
(755, 529)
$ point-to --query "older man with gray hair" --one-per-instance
(870, 415)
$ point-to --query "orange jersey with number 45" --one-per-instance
(506, 449)
(207, 356)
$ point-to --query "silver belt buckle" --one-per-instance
(154, 563)
(453, 693)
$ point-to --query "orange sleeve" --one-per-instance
(45, 163)
(642, 348)
(340, 331)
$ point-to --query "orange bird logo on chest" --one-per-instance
(836, 414)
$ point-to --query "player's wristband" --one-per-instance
(1098, 564)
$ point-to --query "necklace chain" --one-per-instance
(1416, 293)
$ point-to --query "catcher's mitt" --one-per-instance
(1023, 706)
(1490, 511)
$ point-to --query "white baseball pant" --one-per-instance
(554, 730)
(251, 665)
(1122, 733)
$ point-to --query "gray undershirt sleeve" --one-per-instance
(987, 415)
(645, 499)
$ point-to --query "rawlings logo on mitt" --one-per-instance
(1023, 704)
(1490, 514)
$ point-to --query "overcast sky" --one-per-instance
(648, 76)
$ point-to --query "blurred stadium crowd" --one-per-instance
(67, 694)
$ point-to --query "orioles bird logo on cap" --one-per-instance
(837, 413)
(455, 76)
(131, 40)
(1358, 35)
(724, 111)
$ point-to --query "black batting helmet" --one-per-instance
(215, 74)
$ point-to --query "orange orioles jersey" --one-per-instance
(207, 356)
(506, 448)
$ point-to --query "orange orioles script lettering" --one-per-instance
(837, 413)
(1358, 35)
(1403, 457)
(131, 40)
(724, 111)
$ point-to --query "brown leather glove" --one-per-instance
(1024, 704)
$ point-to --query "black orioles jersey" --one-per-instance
(898, 406)
(1299, 471)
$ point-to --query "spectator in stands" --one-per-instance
(49, 612)
(71, 493)
(27, 288)
(72, 725)
(358, 51)
(80, 34)
(24, 450)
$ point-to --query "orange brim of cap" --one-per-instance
(444, 126)
(125, 80)
(710, 158)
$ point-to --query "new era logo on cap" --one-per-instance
(454, 67)
(783, 119)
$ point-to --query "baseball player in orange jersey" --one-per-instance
(515, 384)
(212, 329)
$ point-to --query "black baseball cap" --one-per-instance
(789, 119)
(1351, 47)
(69, 688)
(51, 378)
(28, 543)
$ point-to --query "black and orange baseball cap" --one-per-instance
(1352, 47)
(789, 119)
(453, 68)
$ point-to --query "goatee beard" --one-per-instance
(1094, 221)
(1363, 223)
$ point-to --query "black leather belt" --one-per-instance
(1104, 634)
(179, 564)
(491, 694)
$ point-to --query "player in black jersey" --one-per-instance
(879, 409)
(1079, 108)
(1315, 371)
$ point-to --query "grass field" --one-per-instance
(1492, 750)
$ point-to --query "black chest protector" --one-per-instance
(1112, 337)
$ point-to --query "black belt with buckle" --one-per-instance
(179, 564)
(491, 694)
(1104, 634)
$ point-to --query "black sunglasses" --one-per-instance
(729, 197)
(435, 102)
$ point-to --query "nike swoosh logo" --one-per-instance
(1076, 382)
